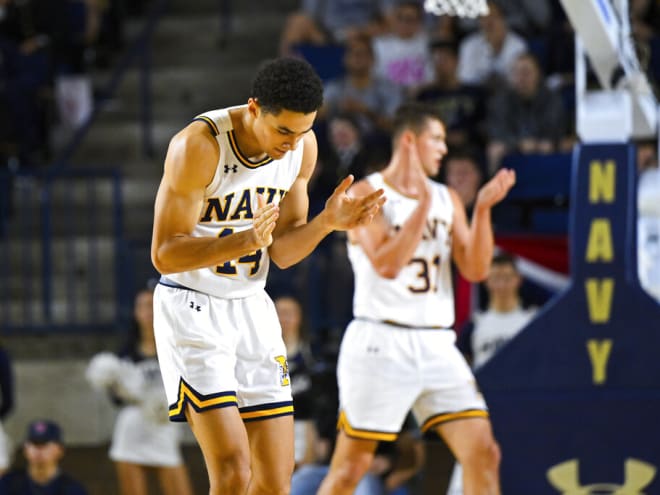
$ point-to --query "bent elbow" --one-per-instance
(388, 271)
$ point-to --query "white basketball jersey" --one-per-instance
(421, 295)
(229, 204)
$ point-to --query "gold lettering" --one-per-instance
(599, 299)
(599, 247)
(599, 353)
(602, 183)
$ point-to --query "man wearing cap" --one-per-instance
(43, 450)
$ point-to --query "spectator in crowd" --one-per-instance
(345, 150)
(527, 17)
(486, 57)
(526, 116)
(403, 55)
(6, 405)
(143, 438)
(321, 22)
(490, 330)
(464, 174)
(372, 99)
(299, 358)
(644, 19)
(648, 218)
(43, 449)
(461, 106)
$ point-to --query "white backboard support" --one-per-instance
(624, 107)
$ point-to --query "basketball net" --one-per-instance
(460, 8)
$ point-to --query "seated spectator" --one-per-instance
(486, 57)
(464, 174)
(6, 405)
(330, 21)
(461, 106)
(345, 150)
(370, 98)
(648, 219)
(490, 330)
(525, 116)
(43, 450)
(403, 55)
(527, 17)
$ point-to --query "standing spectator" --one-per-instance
(461, 106)
(492, 329)
(526, 116)
(43, 450)
(143, 437)
(648, 219)
(486, 57)
(299, 358)
(371, 98)
(402, 56)
(6, 405)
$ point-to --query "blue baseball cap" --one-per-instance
(43, 431)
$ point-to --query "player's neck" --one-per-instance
(247, 142)
(399, 175)
(504, 304)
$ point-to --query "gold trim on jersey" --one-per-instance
(446, 417)
(342, 424)
(199, 401)
(239, 154)
(210, 122)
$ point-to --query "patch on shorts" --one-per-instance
(283, 370)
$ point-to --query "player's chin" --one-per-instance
(276, 153)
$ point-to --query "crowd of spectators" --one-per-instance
(47, 49)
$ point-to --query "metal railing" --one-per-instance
(63, 252)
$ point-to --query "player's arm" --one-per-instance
(472, 245)
(190, 164)
(388, 250)
(294, 238)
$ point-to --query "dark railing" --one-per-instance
(140, 50)
(63, 251)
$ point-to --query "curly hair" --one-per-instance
(287, 84)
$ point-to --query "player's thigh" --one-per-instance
(378, 380)
(132, 478)
(222, 438)
(271, 450)
(471, 440)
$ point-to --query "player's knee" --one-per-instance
(484, 455)
(349, 474)
(271, 487)
(232, 475)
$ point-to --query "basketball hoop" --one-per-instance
(460, 8)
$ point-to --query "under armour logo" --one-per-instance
(373, 349)
(233, 168)
(565, 477)
(194, 306)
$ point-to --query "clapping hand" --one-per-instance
(345, 212)
(265, 219)
(496, 188)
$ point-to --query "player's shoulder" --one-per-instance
(194, 139)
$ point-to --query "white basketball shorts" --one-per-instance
(217, 352)
(384, 371)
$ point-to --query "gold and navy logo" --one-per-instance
(283, 370)
(565, 477)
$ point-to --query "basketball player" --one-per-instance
(234, 196)
(398, 353)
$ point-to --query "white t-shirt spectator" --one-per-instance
(477, 62)
(406, 62)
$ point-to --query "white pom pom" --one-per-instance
(130, 382)
(103, 370)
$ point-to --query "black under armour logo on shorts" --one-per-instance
(233, 168)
